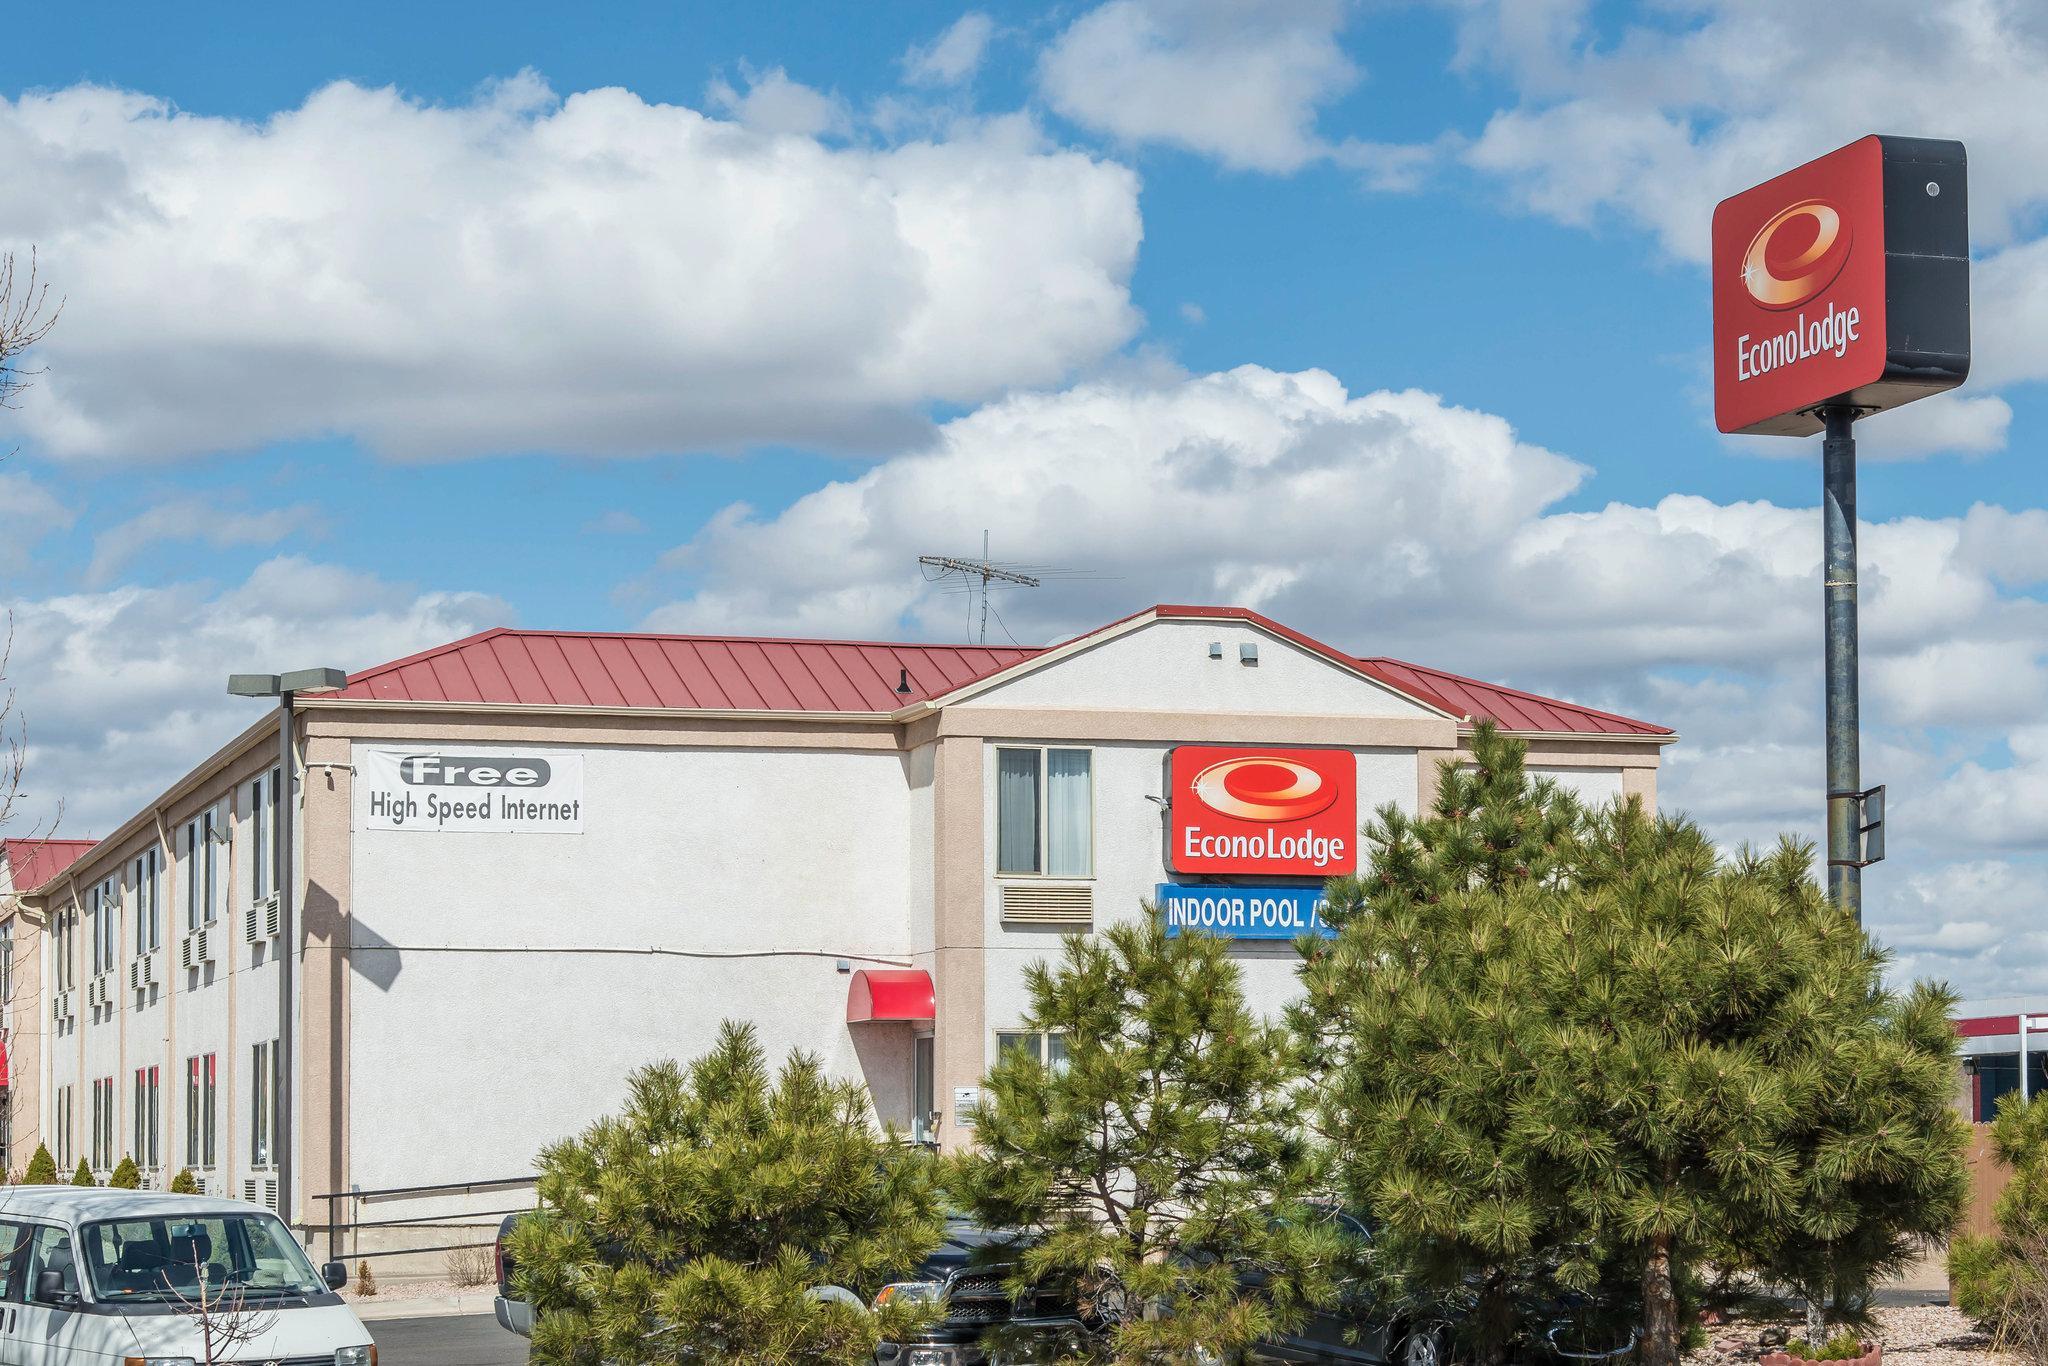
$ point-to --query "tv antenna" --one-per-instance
(984, 569)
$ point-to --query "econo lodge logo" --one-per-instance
(1286, 812)
(1796, 255)
(1799, 289)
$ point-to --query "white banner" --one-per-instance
(434, 788)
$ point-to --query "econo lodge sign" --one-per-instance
(1274, 812)
(1843, 280)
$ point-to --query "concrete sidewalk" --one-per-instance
(399, 1306)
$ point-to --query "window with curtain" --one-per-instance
(1049, 1048)
(262, 1104)
(1045, 811)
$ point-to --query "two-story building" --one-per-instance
(529, 862)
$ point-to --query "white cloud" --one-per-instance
(773, 103)
(190, 519)
(954, 56)
(1395, 523)
(597, 274)
(1242, 83)
(124, 690)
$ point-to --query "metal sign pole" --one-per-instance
(1845, 780)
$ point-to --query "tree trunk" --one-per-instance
(1816, 1324)
(1660, 1345)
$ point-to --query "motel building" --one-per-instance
(527, 863)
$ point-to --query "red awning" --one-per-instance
(889, 994)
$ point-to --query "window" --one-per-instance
(1045, 812)
(60, 1121)
(51, 1251)
(200, 1098)
(1049, 1048)
(14, 1244)
(102, 1155)
(6, 961)
(147, 1114)
(192, 887)
(262, 1104)
(182, 1256)
(104, 903)
(213, 829)
(265, 857)
(147, 876)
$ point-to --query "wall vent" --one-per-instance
(1042, 903)
(261, 1191)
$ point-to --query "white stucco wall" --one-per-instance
(1165, 666)
(463, 1064)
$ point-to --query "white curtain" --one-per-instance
(1070, 815)
(1017, 811)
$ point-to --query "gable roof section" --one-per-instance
(690, 673)
(32, 862)
(629, 671)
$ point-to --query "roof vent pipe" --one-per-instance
(903, 681)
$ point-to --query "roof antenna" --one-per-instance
(984, 569)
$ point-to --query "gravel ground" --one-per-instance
(1916, 1335)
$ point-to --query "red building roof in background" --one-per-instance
(31, 863)
(747, 673)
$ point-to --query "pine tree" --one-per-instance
(185, 1183)
(696, 1224)
(1163, 1165)
(42, 1168)
(1574, 1052)
(2002, 1280)
(127, 1176)
(83, 1176)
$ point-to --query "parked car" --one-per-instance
(93, 1274)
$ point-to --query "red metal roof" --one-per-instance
(698, 673)
(749, 673)
(1508, 708)
(31, 863)
(890, 994)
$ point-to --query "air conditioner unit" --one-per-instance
(1041, 903)
(60, 1006)
(260, 1191)
(99, 992)
(263, 921)
(141, 972)
(196, 947)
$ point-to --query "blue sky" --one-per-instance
(721, 381)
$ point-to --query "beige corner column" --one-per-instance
(1428, 772)
(324, 920)
(1641, 782)
(960, 928)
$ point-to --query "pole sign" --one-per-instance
(1846, 280)
(1262, 812)
(478, 791)
(1243, 912)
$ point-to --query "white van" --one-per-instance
(94, 1275)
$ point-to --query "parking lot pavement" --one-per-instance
(452, 1340)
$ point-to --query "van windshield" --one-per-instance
(220, 1257)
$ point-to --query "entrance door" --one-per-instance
(923, 1105)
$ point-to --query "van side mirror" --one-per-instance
(335, 1274)
(53, 1286)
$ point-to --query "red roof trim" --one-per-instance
(1988, 1026)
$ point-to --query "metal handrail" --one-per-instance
(335, 1228)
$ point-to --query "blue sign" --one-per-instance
(1244, 912)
